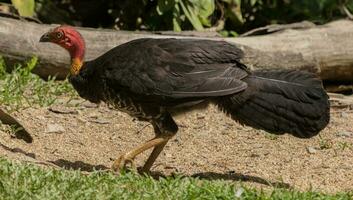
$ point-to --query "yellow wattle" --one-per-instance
(76, 65)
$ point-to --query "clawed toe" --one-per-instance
(123, 162)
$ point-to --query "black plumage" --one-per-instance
(284, 101)
(160, 74)
(152, 78)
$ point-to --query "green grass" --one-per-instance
(325, 143)
(20, 88)
(26, 181)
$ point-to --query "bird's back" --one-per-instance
(173, 68)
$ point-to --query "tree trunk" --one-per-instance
(325, 49)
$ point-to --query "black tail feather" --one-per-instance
(286, 101)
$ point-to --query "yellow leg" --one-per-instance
(155, 153)
(121, 162)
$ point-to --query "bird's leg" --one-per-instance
(152, 158)
(127, 158)
(164, 126)
(156, 150)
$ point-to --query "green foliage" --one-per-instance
(24, 7)
(349, 4)
(24, 181)
(229, 16)
(345, 145)
(271, 136)
(2, 67)
(21, 88)
(244, 15)
(325, 144)
(196, 11)
(233, 12)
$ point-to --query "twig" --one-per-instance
(346, 11)
(139, 131)
(278, 27)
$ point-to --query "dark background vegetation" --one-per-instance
(230, 17)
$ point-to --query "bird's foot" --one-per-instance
(123, 162)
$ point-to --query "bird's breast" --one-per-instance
(89, 90)
(124, 103)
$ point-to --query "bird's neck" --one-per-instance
(76, 65)
(77, 53)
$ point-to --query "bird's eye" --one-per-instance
(59, 35)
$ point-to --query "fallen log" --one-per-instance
(341, 101)
(325, 49)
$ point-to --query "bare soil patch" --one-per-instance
(208, 145)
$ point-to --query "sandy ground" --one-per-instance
(208, 145)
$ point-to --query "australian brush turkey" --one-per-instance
(152, 78)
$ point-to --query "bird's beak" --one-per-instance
(45, 38)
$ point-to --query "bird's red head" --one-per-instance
(71, 40)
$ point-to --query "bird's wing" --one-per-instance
(175, 68)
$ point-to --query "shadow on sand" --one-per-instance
(17, 150)
(240, 177)
(232, 176)
(78, 165)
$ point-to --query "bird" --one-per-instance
(153, 79)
